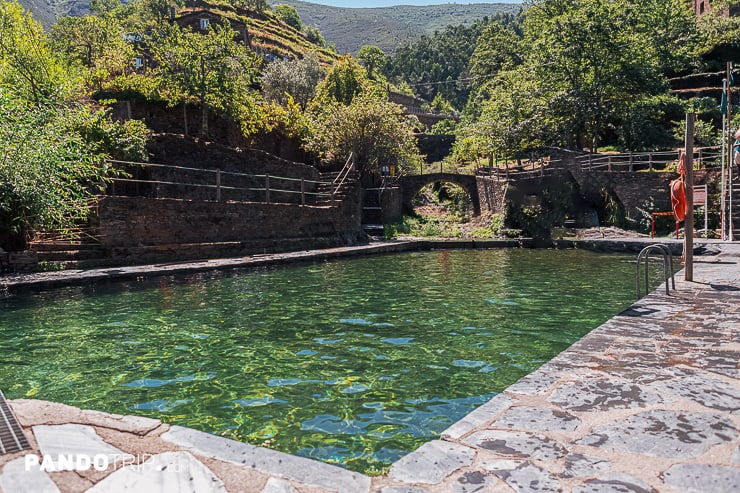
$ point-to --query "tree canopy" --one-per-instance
(52, 148)
(210, 68)
(296, 79)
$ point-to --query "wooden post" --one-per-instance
(185, 117)
(688, 226)
(218, 185)
(303, 192)
(650, 161)
(267, 188)
(632, 162)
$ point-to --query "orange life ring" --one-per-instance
(678, 200)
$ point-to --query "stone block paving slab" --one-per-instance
(432, 462)
(170, 472)
(76, 440)
(662, 433)
(271, 462)
(702, 478)
(15, 477)
(646, 403)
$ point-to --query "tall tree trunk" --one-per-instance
(204, 123)
(185, 117)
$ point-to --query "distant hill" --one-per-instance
(47, 11)
(348, 28)
(268, 34)
(42, 10)
(388, 27)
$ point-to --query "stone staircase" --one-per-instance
(372, 216)
(338, 192)
(68, 250)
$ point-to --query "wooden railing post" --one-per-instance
(632, 162)
(267, 188)
(218, 185)
(303, 192)
(650, 161)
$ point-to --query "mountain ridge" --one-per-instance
(389, 27)
(347, 28)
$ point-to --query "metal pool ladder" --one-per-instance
(665, 252)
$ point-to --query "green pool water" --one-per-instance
(355, 362)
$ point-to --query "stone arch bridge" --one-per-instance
(411, 184)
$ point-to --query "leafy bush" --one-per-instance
(50, 166)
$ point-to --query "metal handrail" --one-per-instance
(547, 168)
(617, 162)
(218, 186)
(344, 173)
(667, 256)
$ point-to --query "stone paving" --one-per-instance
(648, 402)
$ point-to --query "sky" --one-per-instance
(390, 3)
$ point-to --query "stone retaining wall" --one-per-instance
(147, 228)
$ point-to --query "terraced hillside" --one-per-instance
(267, 32)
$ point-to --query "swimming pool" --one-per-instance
(355, 362)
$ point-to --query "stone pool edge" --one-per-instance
(11, 284)
(463, 459)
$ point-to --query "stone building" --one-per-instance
(702, 7)
(200, 17)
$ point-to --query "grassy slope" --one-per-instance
(349, 29)
(271, 34)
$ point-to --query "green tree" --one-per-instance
(439, 62)
(52, 148)
(102, 8)
(52, 163)
(94, 45)
(295, 79)
(26, 62)
(671, 32)
(498, 48)
(313, 35)
(593, 61)
(719, 34)
(646, 124)
(289, 15)
(373, 58)
(208, 68)
(373, 129)
(153, 13)
(441, 105)
(511, 123)
(344, 80)
(44, 171)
